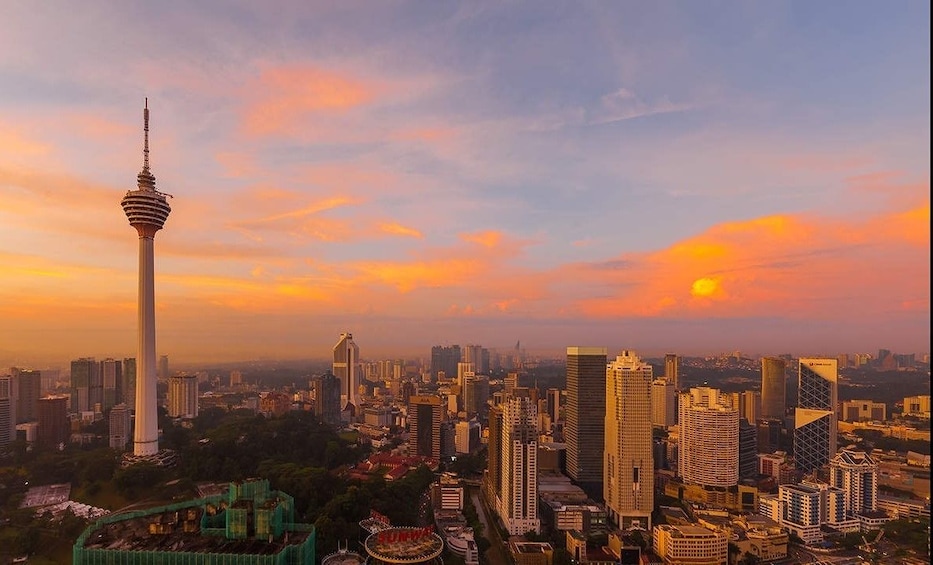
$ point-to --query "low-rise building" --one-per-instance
(690, 545)
(531, 553)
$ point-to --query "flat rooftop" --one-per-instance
(46, 495)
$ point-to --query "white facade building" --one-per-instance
(709, 438)
(856, 473)
(519, 451)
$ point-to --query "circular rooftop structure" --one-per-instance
(343, 557)
(404, 545)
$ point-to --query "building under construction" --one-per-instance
(250, 524)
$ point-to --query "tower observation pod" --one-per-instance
(146, 209)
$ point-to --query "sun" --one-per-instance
(704, 287)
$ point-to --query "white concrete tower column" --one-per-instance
(146, 209)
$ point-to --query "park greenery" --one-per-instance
(297, 454)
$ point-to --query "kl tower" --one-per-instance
(146, 209)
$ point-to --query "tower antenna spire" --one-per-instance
(146, 135)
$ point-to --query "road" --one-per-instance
(495, 555)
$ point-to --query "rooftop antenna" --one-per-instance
(146, 135)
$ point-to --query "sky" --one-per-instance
(659, 176)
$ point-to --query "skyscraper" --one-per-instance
(28, 391)
(584, 417)
(709, 438)
(553, 404)
(53, 421)
(425, 414)
(629, 463)
(163, 367)
(347, 369)
(84, 377)
(7, 413)
(773, 391)
(663, 403)
(183, 396)
(445, 359)
(474, 354)
(475, 395)
(326, 391)
(672, 370)
(748, 449)
(111, 375)
(519, 449)
(146, 209)
(492, 478)
(815, 416)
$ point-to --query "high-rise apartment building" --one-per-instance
(119, 427)
(85, 377)
(585, 417)
(7, 413)
(856, 473)
(815, 417)
(183, 396)
(347, 369)
(672, 370)
(54, 427)
(147, 210)
(27, 385)
(663, 403)
(709, 438)
(474, 354)
(325, 391)
(773, 388)
(445, 359)
(128, 388)
(628, 485)
(518, 507)
(805, 508)
(111, 371)
(509, 383)
(464, 368)
(425, 414)
(492, 478)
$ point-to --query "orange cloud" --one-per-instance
(13, 143)
(398, 229)
(490, 238)
(283, 94)
(788, 266)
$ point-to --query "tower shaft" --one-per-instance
(146, 435)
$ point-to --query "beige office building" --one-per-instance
(628, 474)
(183, 396)
(690, 545)
(663, 400)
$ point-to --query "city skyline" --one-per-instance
(660, 178)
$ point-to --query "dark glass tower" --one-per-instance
(585, 417)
